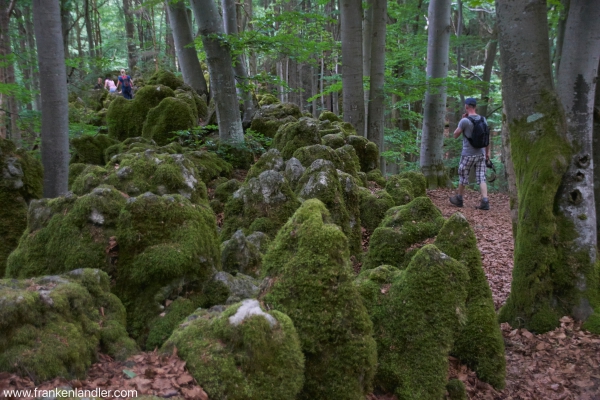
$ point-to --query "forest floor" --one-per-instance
(562, 364)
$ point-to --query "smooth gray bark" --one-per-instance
(218, 58)
(490, 57)
(367, 52)
(230, 20)
(375, 116)
(184, 46)
(596, 151)
(130, 34)
(432, 139)
(352, 64)
(55, 106)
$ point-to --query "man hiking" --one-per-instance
(475, 152)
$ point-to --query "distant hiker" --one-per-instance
(110, 85)
(98, 85)
(126, 82)
(475, 152)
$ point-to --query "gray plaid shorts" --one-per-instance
(466, 163)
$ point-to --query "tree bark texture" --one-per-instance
(375, 116)
(596, 150)
(230, 20)
(551, 278)
(184, 45)
(367, 52)
(55, 106)
(432, 139)
(490, 57)
(218, 58)
(130, 33)
(352, 65)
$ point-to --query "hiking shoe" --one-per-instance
(483, 205)
(457, 201)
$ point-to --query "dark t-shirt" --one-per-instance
(125, 82)
(467, 129)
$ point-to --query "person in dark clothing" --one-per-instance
(126, 83)
(98, 85)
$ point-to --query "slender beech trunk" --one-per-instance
(55, 106)
(218, 58)
(367, 52)
(88, 28)
(353, 96)
(230, 20)
(560, 36)
(553, 274)
(375, 116)
(184, 45)
(170, 40)
(490, 57)
(130, 34)
(432, 139)
(596, 151)
(459, 26)
(509, 173)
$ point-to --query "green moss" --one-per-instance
(196, 103)
(294, 135)
(166, 78)
(373, 207)
(402, 227)
(125, 118)
(249, 360)
(349, 161)
(311, 281)
(479, 344)
(262, 204)
(400, 189)
(375, 176)
(240, 255)
(418, 181)
(266, 99)
(456, 390)
(269, 118)
(90, 149)
(210, 165)
(171, 114)
(308, 154)
(224, 191)
(74, 171)
(52, 325)
(163, 327)
(333, 140)
(269, 160)
(88, 179)
(367, 152)
(329, 116)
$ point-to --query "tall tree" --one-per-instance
(352, 64)
(184, 45)
(432, 139)
(55, 106)
(596, 151)
(130, 34)
(553, 271)
(218, 58)
(230, 19)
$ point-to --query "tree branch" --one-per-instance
(10, 7)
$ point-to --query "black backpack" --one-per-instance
(480, 137)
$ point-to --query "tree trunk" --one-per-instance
(596, 151)
(55, 106)
(218, 58)
(375, 115)
(552, 277)
(490, 56)
(241, 74)
(509, 173)
(4, 54)
(184, 44)
(432, 139)
(170, 40)
(130, 34)
(353, 96)
(367, 52)
(88, 27)
(560, 36)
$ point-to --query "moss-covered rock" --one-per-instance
(90, 149)
(293, 171)
(210, 165)
(74, 171)
(270, 160)
(329, 116)
(196, 103)
(479, 343)
(373, 207)
(242, 353)
(350, 190)
(171, 114)
(456, 390)
(418, 181)
(266, 99)
(166, 78)
(400, 189)
(402, 227)
(240, 255)
(375, 176)
(294, 135)
(262, 204)
(309, 154)
(239, 286)
(125, 118)
(311, 281)
(225, 190)
(269, 118)
(367, 152)
(333, 140)
(53, 326)
(20, 182)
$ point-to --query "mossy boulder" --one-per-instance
(416, 314)
(367, 152)
(329, 116)
(240, 255)
(241, 353)
(239, 286)
(171, 115)
(269, 118)
(93, 99)
(400, 189)
(262, 204)
(308, 154)
(196, 103)
(456, 390)
(376, 176)
(90, 149)
(125, 118)
(225, 190)
(373, 207)
(418, 182)
(311, 281)
(266, 99)
(294, 135)
(54, 326)
(479, 344)
(293, 171)
(20, 182)
(166, 78)
(270, 160)
(333, 140)
(209, 165)
(402, 227)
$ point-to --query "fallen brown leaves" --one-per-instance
(148, 373)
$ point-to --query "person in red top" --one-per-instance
(126, 83)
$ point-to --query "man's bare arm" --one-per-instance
(457, 132)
